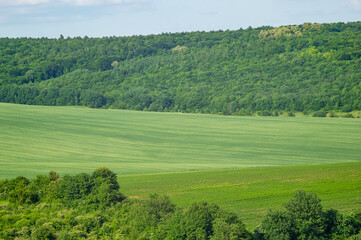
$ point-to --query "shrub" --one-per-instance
(75, 187)
(319, 114)
(195, 222)
(278, 225)
(346, 108)
(304, 218)
(104, 174)
(205, 221)
(332, 114)
(228, 226)
(46, 231)
(348, 115)
(264, 113)
(306, 210)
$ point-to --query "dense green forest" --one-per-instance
(308, 67)
(91, 206)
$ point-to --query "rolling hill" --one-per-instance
(308, 67)
(36, 139)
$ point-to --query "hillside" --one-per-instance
(250, 192)
(309, 67)
(35, 139)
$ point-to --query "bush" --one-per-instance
(306, 210)
(303, 218)
(195, 222)
(75, 187)
(348, 115)
(264, 113)
(228, 226)
(319, 114)
(206, 221)
(332, 115)
(46, 231)
(346, 108)
(104, 174)
(278, 225)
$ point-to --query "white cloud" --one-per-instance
(70, 2)
(96, 2)
(83, 2)
(354, 4)
(21, 2)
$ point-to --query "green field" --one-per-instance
(250, 192)
(36, 139)
(249, 164)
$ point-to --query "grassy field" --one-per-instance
(243, 164)
(251, 192)
(36, 139)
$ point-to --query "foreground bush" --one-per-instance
(304, 218)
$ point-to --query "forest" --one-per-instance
(91, 206)
(308, 67)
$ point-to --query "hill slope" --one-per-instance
(251, 192)
(292, 68)
(34, 139)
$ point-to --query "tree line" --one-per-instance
(308, 67)
(91, 206)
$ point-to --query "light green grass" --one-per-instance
(36, 139)
(251, 192)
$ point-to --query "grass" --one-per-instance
(250, 192)
(36, 139)
(153, 152)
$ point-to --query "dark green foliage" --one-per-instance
(304, 218)
(348, 115)
(79, 216)
(206, 221)
(102, 195)
(332, 115)
(228, 227)
(319, 114)
(75, 187)
(333, 220)
(92, 99)
(156, 208)
(350, 226)
(277, 225)
(39, 185)
(44, 232)
(195, 222)
(148, 217)
(346, 108)
(306, 210)
(104, 189)
(98, 190)
(291, 114)
(312, 67)
(17, 191)
(265, 113)
(105, 175)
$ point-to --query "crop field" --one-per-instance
(250, 192)
(243, 164)
(36, 139)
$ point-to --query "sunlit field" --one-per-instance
(36, 139)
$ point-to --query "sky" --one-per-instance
(97, 18)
